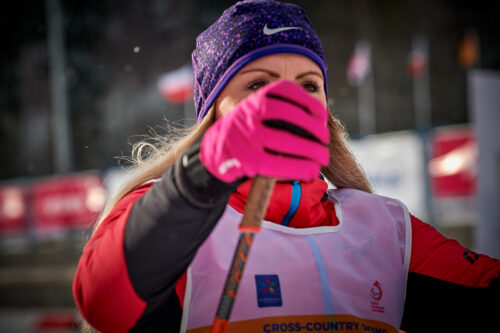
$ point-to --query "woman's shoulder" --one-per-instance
(127, 201)
(135, 194)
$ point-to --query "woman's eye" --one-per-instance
(257, 84)
(310, 87)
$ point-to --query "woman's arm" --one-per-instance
(129, 268)
(450, 288)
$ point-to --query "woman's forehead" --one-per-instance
(283, 61)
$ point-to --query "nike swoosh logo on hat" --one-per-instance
(268, 31)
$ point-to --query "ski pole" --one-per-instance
(255, 210)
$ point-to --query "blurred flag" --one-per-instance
(359, 64)
(418, 69)
(468, 52)
(177, 86)
(417, 61)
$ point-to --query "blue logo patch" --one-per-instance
(268, 290)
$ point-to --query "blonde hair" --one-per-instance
(343, 171)
(152, 161)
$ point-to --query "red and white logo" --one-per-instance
(376, 295)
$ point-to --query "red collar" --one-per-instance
(312, 211)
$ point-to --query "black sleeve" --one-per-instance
(166, 227)
(434, 305)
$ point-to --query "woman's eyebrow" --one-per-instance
(300, 76)
(270, 73)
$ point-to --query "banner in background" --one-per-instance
(453, 166)
(394, 165)
(67, 202)
(12, 209)
(453, 176)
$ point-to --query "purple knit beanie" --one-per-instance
(245, 32)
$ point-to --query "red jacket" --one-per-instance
(118, 290)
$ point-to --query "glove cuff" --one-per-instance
(197, 184)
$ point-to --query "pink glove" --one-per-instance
(279, 131)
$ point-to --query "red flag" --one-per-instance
(359, 64)
(177, 86)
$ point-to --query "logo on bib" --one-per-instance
(268, 290)
(376, 294)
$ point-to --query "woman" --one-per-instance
(342, 260)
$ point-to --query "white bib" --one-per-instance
(345, 278)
